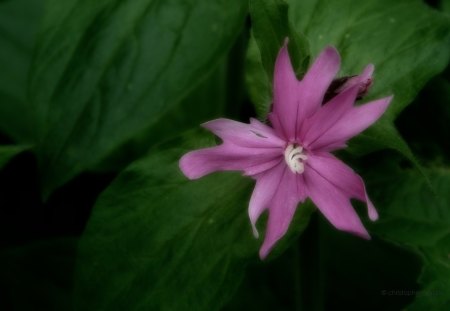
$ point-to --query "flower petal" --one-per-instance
(328, 115)
(342, 177)
(229, 157)
(315, 83)
(285, 87)
(282, 208)
(351, 124)
(255, 134)
(266, 185)
(333, 203)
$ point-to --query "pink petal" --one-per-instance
(351, 124)
(266, 185)
(282, 208)
(229, 157)
(315, 83)
(255, 134)
(251, 148)
(327, 116)
(285, 87)
(343, 178)
(333, 203)
(276, 123)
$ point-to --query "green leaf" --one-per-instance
(435, 294)
(257, 80)
(219, 95)
(412, 215)
(19, 20)
(106, 70)
(154, 235)
(8, 152)
(197, 106)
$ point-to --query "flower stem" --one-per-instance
(298, 299)
(311, 268)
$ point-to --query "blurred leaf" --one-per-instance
(206, 102)
(414, 216)
(19, 20)
(154, 235)
(8, 152)
(256, 80)
(219, 95)
(435, 294)
(106, 70)
(445, 5)
(36, 276)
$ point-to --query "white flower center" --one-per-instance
(295, 157)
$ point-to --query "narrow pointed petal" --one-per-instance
(327, 116)
(352, 123)
(285, 87)
(315, 83)
(255, 134)
(343, 178)
(333, 203)
(229, 157)
(265, 188)
(282, 209)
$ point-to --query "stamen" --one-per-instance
(295, 158)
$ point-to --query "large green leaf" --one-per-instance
(411, 214)
(197, 106)
(219, 95)
(157, 241)
(106, 70)
(19, 20)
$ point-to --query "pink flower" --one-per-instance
(291, 159)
